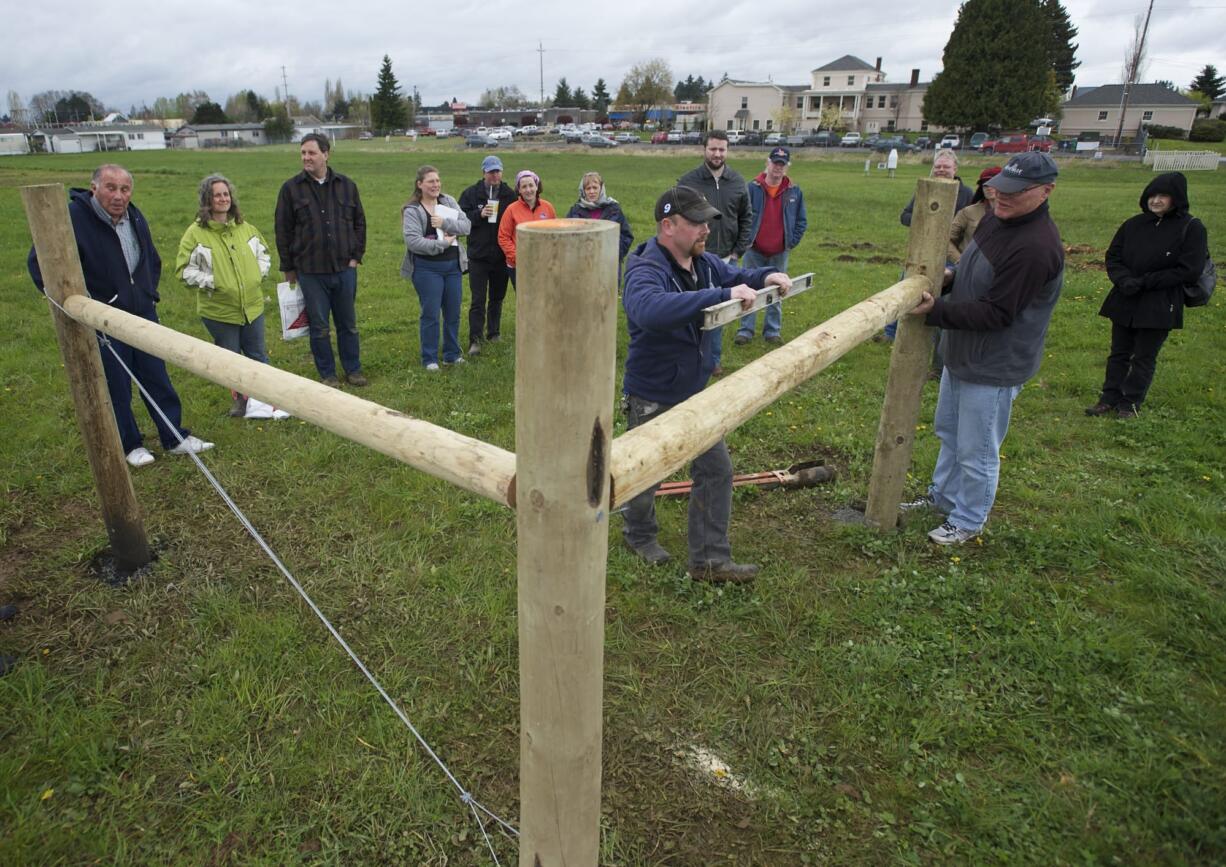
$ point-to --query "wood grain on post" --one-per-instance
(935, 199)
(47, 212)
(469, 463)
(646, 454)
(564, 374)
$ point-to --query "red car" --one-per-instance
(659, 137)
(1016, 143)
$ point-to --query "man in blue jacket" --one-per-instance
(670, 279)
(779, 222)
(122, 268)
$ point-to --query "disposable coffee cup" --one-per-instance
(493, 217)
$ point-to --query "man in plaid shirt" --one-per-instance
(321, 236)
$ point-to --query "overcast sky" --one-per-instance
(127, 52)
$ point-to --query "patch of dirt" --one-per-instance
(882, 260)
(845, 258)
(1081, 249)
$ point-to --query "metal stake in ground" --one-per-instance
(47, 212)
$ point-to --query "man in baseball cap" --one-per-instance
(670, 279)
(779, 222)
(993, 323)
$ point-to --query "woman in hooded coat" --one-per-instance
(595, 204)
(1151, 258)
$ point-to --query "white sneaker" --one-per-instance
(948, 534)
(140, 456)
(191, 445)
(258, 409)
(432, 367)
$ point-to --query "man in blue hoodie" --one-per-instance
(122, 268)
(670, 280)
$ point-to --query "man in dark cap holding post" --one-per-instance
(993, 323)
(670, 279)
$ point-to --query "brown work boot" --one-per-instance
(1099, 408)
(726, 572)
(357, 379)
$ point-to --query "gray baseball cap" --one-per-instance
(1025, 170)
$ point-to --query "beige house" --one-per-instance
(866, 102)
(1097, 110)
(215, 135)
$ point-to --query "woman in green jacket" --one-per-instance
(226, 259)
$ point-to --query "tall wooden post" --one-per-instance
(935, 199)
(565, 353)
(47, 212)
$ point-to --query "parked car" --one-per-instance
(773, 139)
(480, 141)
(597, 140)
(364, 136)
(951, 141)
(573, 136)
(626, 138)
(752, 137)
(692, 137)
(823, 139)
(897, 142)
(850, 140)
(871, 141)
(442, 133)
(735, 137)
(674, 136)
(977, 140)
(796, 140)
(1016, 143)
(923, 142)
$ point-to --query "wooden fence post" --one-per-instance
(565, 354)
(933, 213)
(47, 212)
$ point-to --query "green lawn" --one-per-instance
(1054, 695)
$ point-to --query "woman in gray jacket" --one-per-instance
(434, 260)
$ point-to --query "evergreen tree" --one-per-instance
(1209, 83)
(209, 112)
(600, 96)
(562, 96)
(1061, 51)
(579, 98)
(387, 108)
(991, 82)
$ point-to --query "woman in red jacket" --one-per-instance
(529, 206)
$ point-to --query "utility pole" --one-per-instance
(285, 89)
(540, 49)
(1132, 74)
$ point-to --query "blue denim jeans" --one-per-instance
(971, 423)
(710, 510)
(773, 315)
(440, 288)
(333, 295)
(247, 339)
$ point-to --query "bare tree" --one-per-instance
(1134, 57)
(646, 86)
(17, 108)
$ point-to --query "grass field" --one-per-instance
(1054, 695)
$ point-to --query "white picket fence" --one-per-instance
(1175, 161)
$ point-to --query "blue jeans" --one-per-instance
(971, 423)
(710, 510)
(247, 339)
(333, 295)
(773, 315)
(440, 287)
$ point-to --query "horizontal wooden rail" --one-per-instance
(469, 463)
(643, 456)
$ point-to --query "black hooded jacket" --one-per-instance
(1151, 259)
